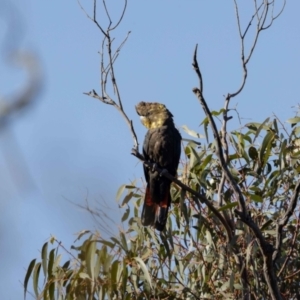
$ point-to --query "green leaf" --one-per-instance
(294, 120)
(107, 243)
(194, 158)
(209, 238)
(27, 276)
(90, 259)
(50, 263)
(262, 126)
(124, 280)
(35, 278)
(296, 130)
(242, 137)
(206, 161)
(228, 206)
(146, 254)
(231, 281)
(192, 132)
(205, 123)
(266, 148)
(266, 225)
(127, 198)
(120, 191)
(83, 275)
(113, 274)
(66, 264)
(44, 255)
(130, 187)
(217, 113)
(126, 214)
(51, 290)
(256, 198)
(257, 127)
(275, 126)
(82, 233)
(184, 211)
(56, 262)
(124, 241)
(145, 270)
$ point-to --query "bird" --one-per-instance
(162, 146)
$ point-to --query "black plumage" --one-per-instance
(162, 146)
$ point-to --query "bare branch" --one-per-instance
(219, 149)
(273, 18)
(107, 14)
(105, 100)
(238, 19)
(224, 146)
(261, 12)
(95, 19)
(108, 59)
(197, 69)
(122, 15)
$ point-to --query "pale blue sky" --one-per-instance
(75, 147)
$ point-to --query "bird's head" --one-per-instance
(153, 114)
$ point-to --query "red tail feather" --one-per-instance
(155, 214)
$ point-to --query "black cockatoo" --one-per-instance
(162, 146)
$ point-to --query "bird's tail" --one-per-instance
(155, 213)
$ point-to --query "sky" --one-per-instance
(67, 148)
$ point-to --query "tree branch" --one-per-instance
(107, 66)
(260, 26)
(219, 151)
(197, 69)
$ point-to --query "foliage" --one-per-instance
(191, 258)
(233, 229)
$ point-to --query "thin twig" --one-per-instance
(197, 69)
(260, 26)
(95, 19)
(108, 70)
(107, 14)
(121, 18)
(225, 148)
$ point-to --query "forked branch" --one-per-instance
(108, 58)
(264, 16)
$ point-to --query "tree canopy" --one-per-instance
(232, 232)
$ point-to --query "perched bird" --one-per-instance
(162, 146)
